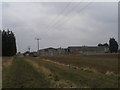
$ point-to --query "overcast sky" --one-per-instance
(60, 24)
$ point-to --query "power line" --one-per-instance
(68, 19)
(66, 14)
(58, 16)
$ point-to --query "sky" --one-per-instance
(60, 24)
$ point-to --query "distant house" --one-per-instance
(73, 50)
(88, 49)
(48, 52)
(33, 54)
(52, 51)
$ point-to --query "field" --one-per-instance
(71, 71)
(100, 62)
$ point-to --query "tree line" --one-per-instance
(113, 45)
(8, 43)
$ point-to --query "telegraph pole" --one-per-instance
(29, 48)
(37, 42)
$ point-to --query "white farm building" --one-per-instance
(73, 50)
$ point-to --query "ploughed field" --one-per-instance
(70, 71)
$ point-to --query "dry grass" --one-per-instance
(30, 72)
(71, 66)
(22, 75)
(84, 77)
(50, 76)
(7, 61)
(109, 73)
(99, 62)
(38, 67)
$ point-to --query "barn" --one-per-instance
(88, 49)
(52, 51)
(73, 50)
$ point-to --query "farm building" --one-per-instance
(73, 50)
(52, 51)
(88, 49)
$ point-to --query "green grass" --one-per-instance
(81, 78)
(23, 73)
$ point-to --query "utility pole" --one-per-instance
(37, 42)
(29, 48)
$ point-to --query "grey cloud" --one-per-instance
(94, 24)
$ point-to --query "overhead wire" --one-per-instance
(66, 14)
(69, 18)
(58, 16)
